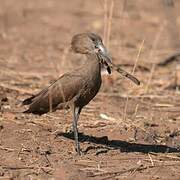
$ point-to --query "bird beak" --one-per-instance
(104, 56)
(106, 60)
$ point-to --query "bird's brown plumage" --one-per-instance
(77, 88)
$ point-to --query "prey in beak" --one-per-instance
(106, 60)
(104, 57)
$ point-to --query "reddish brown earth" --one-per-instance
(126, 132)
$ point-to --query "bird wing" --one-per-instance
(62, 90)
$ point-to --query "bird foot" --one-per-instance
(79, 151)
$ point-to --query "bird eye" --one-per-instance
(93, 39)
(96, 47)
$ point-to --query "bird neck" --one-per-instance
(92, 59)
(92, 62)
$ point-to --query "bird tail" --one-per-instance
(28, 101)
(26, 111)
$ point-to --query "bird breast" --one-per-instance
(92, 84)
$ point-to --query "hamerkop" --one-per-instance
(76, 89)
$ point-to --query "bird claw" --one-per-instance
(79, 151)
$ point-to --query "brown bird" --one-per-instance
(76, 89)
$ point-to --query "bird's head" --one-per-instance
(90, 43)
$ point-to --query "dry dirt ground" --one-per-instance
(126, 132)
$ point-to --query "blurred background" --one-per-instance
(143, 37)
(35, 36)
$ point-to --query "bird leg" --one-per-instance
(76, 113)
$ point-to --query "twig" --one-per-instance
(135, 64)
(116, 173)
(92, 169)
(15, 89)
(110, 22)
(151, 56)
(6, 149)
(166, 156)
(105, 21)
(139, 168)
(125, 109)
(152, 163)
(121, 17)
(138, 55)
(17, 167)
(136, 110)
(170, 59)
(150, 96)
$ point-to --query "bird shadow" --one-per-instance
(123, 146)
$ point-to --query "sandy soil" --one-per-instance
(126, 132)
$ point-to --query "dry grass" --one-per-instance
(135, 64)
(147, 115)
(152, 56)
(108, 16)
